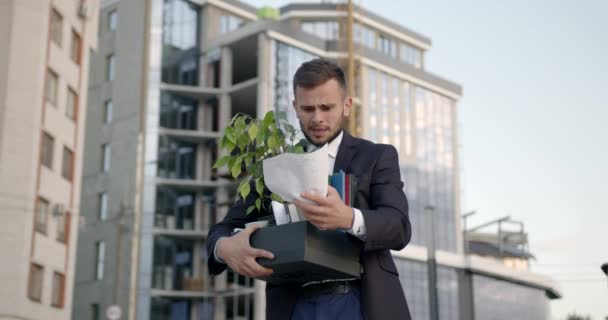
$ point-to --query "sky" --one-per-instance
(533, 130)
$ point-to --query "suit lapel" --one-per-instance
(346, 152)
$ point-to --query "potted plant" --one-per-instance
(247, 142)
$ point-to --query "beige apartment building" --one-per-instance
(44, 57)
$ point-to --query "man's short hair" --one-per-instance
(316, 72)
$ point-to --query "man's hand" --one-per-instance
(329, 213)
(240, 256)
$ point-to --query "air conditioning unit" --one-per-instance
(83, 10)
(58, 210)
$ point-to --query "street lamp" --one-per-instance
(432, 263)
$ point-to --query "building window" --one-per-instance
(229, 23)
(327, 30)
(100, 253)
(364, 35)
(112, 20)
(107, 112)
(388, 47)
(76, 46)
(52, 87)
(95, 311)
(410, 55)
(103, 206)
(181, 36)
(105, 157)
(71, 104)
(48, 144)
(42, 214)
(110, 67)
(62, 221)
(35, 285)
(56, 27)
(58, 288)
(67, 168)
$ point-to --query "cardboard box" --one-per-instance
(304, 253)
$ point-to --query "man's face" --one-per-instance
(321, 111)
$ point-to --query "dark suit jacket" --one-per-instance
(381, 199)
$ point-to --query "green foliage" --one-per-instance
(575, 316)
(247, 142)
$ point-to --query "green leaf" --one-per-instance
(253, 131)
(276, 197)
(244, 189)
(259, 186)
(235, 169)
(248, 161)
(268, 118)
(243, 141)
(272, 142)
(251, 208)
(258, 204)
(230, 135)
(299, 149)
(239, 125)
(257, 169)
(222, 162)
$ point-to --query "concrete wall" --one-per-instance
(126, 43)
(24, 114)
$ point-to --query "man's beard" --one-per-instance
(335, 135)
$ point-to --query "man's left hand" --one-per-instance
(329, 213)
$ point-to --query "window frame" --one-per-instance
(39, 226)
(58, 293)
(108, 105)
(110, 67)
(56, 27)
(71, 104)
(69, 174)
(76, 50)
(35, 293)
(100, 252)
(112, 20)
(102, 210)
(51, 90)
(47, 152)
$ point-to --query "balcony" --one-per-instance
(190, 136)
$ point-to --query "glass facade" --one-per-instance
(174, 209)
(176, 159)
(180, 57)
(178, 112)
(327, 30)
(364, 35)
(497, 300)
(414, 280)
(287, 60)
(230, 23)
(402, 114)
(410, 55)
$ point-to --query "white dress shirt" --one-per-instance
(358, 228)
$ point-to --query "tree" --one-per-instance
(575, 316)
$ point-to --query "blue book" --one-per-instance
(338, 181)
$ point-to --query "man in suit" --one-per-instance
(379, 218)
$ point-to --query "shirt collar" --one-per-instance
(332, 147)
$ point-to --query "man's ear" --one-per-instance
(348, 103)
(293, 103)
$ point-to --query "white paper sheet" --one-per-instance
(281, 216)
(290, 174)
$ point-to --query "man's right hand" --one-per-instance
(240, 256)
